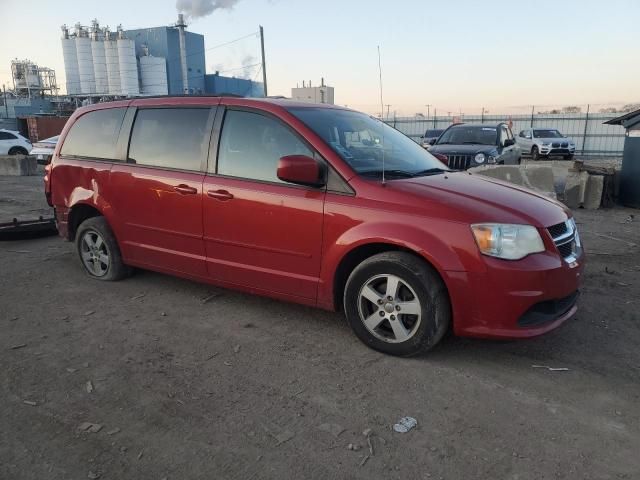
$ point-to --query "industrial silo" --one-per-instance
(153, 74)
(85, 62)
(128, 65)
(70, 62)
(112, 63)
(99, 59)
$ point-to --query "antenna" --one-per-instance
(381, 111)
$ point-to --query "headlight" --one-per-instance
(480, 158)
(546, 144)
(510, 242)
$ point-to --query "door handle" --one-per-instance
(222, 195)
(185, 189)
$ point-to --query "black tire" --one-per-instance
(115, 269)
(535, 154)
(18, 151)
(568, 157)
(416, 275)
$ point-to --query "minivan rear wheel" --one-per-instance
(397, 304)
(99, 252)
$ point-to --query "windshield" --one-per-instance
(363, 141)
(547, 134)
(433, 133)
(469, 135)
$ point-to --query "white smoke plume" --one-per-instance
(202, 8)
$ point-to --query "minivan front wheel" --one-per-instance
(98, 250)
(397, 304)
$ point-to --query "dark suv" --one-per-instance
(463, 146)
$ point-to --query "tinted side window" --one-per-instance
(170, 137)
(7, 136)
(251, 145)
(95, 134)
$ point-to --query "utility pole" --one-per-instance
(264, 63)
(482, 116)
(6, 107)
(388, 106)
(428, 109)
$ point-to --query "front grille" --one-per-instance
(555, 144)
(564, 144)
(459, 162)
(557, 230)
(565, 237)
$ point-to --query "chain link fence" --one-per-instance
(592, 137)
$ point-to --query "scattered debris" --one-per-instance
(140, 454)
(211, 297)
(622, 284)
(213, 355)
(18, 251)
(30, 403)
(299, 392)
(228, 364)
(72, 370)
(366, 432)
(163, 314)
(353, 446)
(552, 369)
(90, 312)
(14, 319)
(85, 364)
(284, 436)
(370, 445)
(89, 427)
(332, 428)
(138, 296)
(405, 424)
(236, 349)
(89, 386)
(364, 460)
(629, 219)
(248, 325)
(93, 475)
(113, 431)
(16, 347)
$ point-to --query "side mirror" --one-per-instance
(421, 136)
(301, 170)
(509, 142)
(433, 141)
(528, 136)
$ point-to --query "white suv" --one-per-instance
(545, 142)
(12, 143)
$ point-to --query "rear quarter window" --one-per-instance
(95, 134)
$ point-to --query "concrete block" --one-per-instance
(574, 189)
(18, 165)
(593, 192)
(539, 179)
(508, 173)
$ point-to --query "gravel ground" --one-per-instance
(188, 381)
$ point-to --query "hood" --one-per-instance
(471, 149)
(481, 199)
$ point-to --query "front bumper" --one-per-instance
(551, 150)
(515, 299)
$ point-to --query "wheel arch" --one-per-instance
(358, 253)
(79, 213)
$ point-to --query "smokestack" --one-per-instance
(183, 52)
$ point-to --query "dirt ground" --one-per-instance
(187, 381)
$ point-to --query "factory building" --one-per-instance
(310, 94)
(148, 61)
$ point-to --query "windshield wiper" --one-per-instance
(390, 173)
(432, 171)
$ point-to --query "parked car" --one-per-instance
(430, 137)
(12, 143)
(545, 142)
(43, 149)
(463, 146)
(314, 204)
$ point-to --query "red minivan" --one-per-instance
(313, 204)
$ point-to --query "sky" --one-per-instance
(456, 56)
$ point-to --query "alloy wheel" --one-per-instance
(389, 308)
(94, 253)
